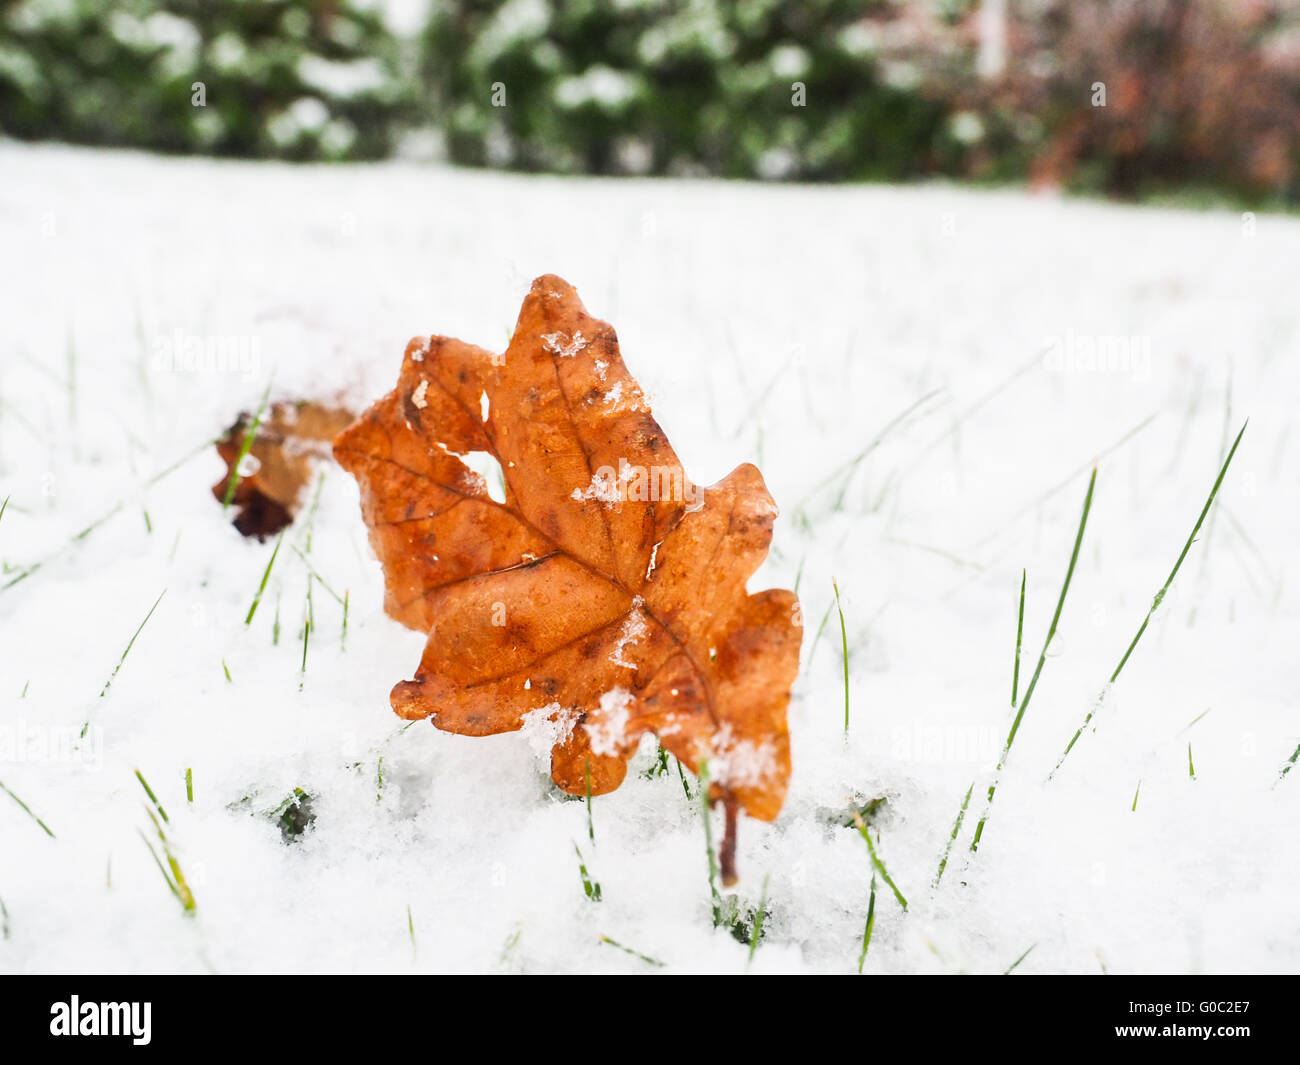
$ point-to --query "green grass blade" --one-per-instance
(152, 797)
(1015, 964)
(131, 643)
(875, 860)
(591, 827)
(1042, 658)
(703, 777)
(634, 953)
(161, 868)
(821, 627)
(871, 923)
(27, 809)
(233, 481)
(312, 572)
(1159, 597)
(1290, 763)
(952, 838)
(757, 933)
(590, 886)
(266, 576)
(1020, 635)
(848, 468)
(307, 623)
(844, 644)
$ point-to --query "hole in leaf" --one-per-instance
(487, 467)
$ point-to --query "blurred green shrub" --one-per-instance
(761, 88)
(1201, 95)
(292, 79)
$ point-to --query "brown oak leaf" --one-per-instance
(606, 593)
(289, 439)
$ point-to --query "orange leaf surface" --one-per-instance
(606, 593)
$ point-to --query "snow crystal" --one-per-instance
(604, 487)
(417, 397)
(563, 346)
(607, 726)
(740, 763)
(634, 628)
(654, 555)
(548, 725)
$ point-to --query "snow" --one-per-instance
(632, 632)
(563, 346)
(781, 325)
(607, 728)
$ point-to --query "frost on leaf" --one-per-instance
(613, 616)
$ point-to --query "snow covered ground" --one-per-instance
(784, 325)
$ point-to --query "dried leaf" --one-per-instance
(288, 441)
(606, 593)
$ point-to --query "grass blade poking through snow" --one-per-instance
(591, 826)
(757, 933)
(130, 643)
(847, 469)
(875, 860)
(956, 831)
(844, 644)
(1016, 964)
(171, 872)
(871, 924)
(85, 725)
(1159, 598)
(266, 576)
(308, 623)
(1020, 633)
(1290, 764)
(1042, 658)
(244, 449)
(590, 886)
(634, 953)
(152, 797)
(27, 809)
